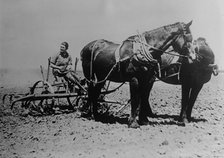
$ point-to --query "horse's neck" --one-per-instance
(156, 40)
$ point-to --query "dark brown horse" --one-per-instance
(190, 75)
(135, 61)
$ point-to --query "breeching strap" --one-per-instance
(111, 70)
(91, 67)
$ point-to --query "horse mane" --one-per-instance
(167, 29)
(179, 26)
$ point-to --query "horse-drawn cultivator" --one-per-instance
(45, 97)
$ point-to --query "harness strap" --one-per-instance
(158, 49)
(147, 55)
(174, 74)
(159, 69)
(117, 53)
(111, 70)
(114, 66)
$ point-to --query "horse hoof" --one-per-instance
(134, 125)
(189, 119)
(88, 116)
(181, 124)
(183, 121)
(152, 115)
(144, 121)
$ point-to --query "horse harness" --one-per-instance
(145, 51)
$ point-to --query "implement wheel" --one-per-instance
(42, 106)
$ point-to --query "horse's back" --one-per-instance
(96, 46)
(100, 54)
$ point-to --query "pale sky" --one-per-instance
(32, 30)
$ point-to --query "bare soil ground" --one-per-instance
(69, 135)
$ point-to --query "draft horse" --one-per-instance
(191, 75)
(136, 61)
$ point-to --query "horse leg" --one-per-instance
(193, 96)
(146, 94)
(135, 99)
(90, 101)
(184, 102)
(93, 95)
(145, 109)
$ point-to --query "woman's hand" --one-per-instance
(63, 68)
(69, 67)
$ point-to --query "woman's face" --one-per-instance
(62, 48)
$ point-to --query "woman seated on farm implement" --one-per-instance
(61, 65)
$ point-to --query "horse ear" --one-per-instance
(189, 24)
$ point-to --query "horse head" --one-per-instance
(182, 42)
(178, 36)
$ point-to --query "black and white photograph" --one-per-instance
(111, 78)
